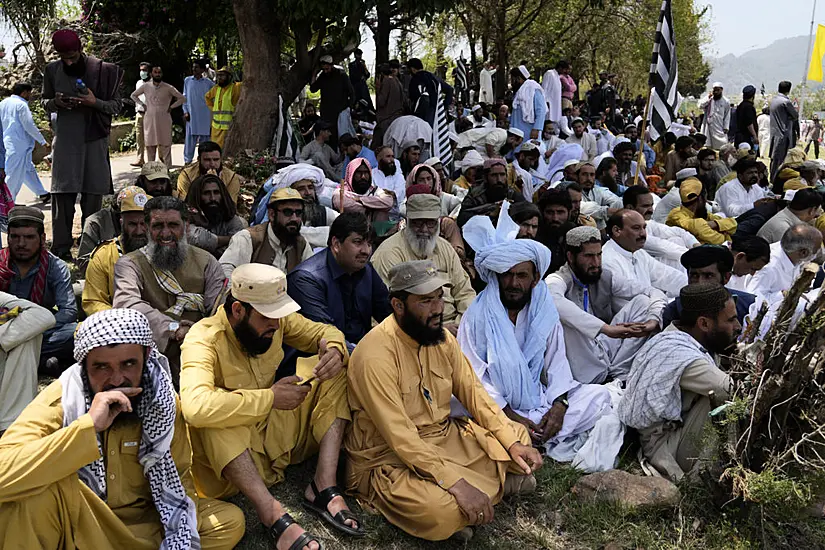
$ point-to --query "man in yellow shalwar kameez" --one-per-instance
(101, 458)
(431, 475)
(248, 421)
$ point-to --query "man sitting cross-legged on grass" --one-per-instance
(249, 421)
(101, 458)
(431, 475)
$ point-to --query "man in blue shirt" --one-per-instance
(198, 115)
(338, 286)
(709, 263)
(353, 149)
(29, 271)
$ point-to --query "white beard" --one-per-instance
(422, 247)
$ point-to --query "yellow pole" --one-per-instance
(642, 139)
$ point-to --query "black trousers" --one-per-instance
(63, 208)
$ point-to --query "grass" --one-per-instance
(552, 519)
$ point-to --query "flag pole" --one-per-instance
(642, 138)
(807, 62)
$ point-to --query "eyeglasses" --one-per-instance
(289, 212)
(429, 224)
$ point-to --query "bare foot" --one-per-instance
(335, 505)
(269, 517)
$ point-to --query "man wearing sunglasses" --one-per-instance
(277, 242)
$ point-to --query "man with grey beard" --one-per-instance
(419, 240)
(175, 285)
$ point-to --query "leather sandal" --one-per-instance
(279, 528)
(319, 507)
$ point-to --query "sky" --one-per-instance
(741, 26)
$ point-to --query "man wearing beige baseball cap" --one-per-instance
(99, 290)
(249, 419)
(432, 475)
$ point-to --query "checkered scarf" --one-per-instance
(184, 301)
(156, 410)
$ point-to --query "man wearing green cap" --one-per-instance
(431, 475)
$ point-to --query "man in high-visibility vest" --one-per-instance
(221, 100)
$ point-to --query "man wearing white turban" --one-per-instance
(529, 104)
(513, 338)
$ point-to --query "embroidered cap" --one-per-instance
(154, 170)
(419, 277)
(132, 199)
(264, 288)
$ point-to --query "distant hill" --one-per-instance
(782, 60)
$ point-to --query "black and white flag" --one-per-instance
(285, 141)
(664, 76)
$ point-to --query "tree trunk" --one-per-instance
(501, 50)
(382, 35)
(257, 111)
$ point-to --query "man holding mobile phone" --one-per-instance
(85, 93)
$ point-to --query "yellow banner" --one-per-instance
(815, 68)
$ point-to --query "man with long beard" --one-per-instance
(99, 289)
(606, 317)
(419, 240)
(249, 419)
(389, 177)
(555, 206)
(674, 372)
(215, 218)
(277, 242)
(174, 284)
(486, 199)
(80, 161)
(431, 475)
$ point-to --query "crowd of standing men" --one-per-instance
(437, 296)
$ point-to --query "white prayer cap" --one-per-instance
(686, 173)
(744, 146)
(717, 85)
(571, 162)
(432, 161)
(471, 160)
(476, 108)
(582, 234)
(516, 132)
(524, 72)
(326, 59)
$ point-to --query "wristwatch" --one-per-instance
(174, 326)
(563, 400)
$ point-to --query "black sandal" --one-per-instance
(279, 527)
(319, 507)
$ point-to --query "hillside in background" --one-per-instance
(782, 60)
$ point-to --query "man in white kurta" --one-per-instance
(606, 317)
(741, 193)
(717, 117)
(623, 254)
(665, 243)
(19, 135)
(763, 123)
(512, 336)
(22, 324)
(799, 245)
(485, 85)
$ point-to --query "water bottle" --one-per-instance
(81, 87)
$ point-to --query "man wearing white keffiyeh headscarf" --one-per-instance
(101, 458)
(512, 336)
